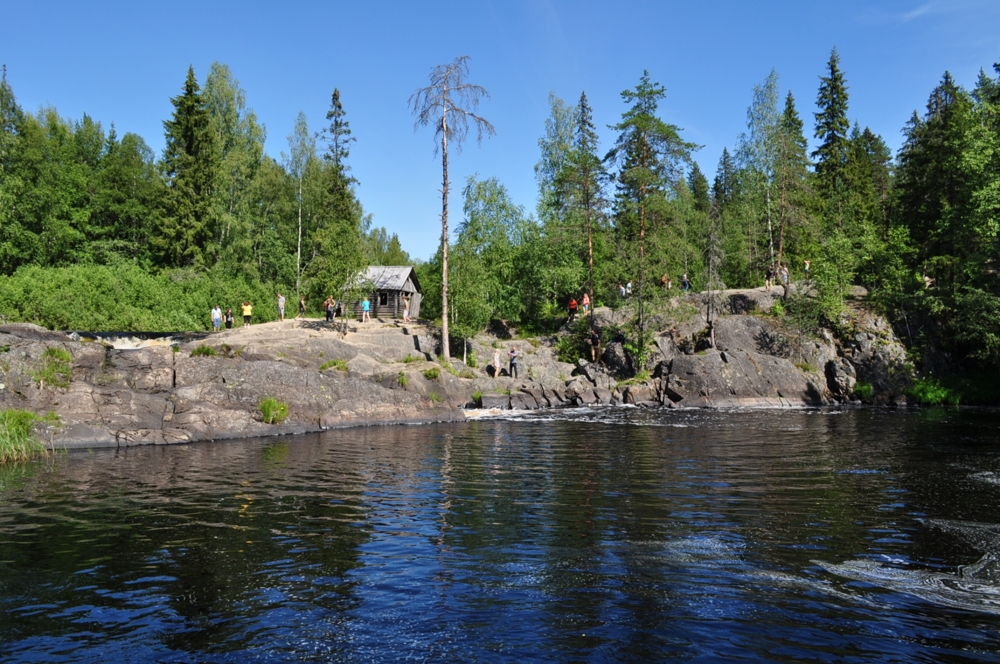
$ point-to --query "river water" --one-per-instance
(606, 535)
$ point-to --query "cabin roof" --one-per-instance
(386, 277)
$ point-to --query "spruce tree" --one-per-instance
(698, 184)
(190, 162)
(338, 134)
(831, 128)
(723, 187)
(792, 173)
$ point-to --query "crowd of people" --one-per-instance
(331, 307)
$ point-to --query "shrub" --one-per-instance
(203, 351)
(273, 411)
(410, 358)
(435, 398)
(432, 374)
(931, 392)
(473, 360)
(864, 392)
(477, 395)
(403, 381)
(55, 369)
(340, 365)
(16, 440)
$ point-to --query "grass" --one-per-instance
(477, 395)
(55, 369)
(411, 358)
(17, 443)
(808, 368)
(340, 365)
(204, 351)
(432, 374)
(401, 378)
(273, 411)
(864, 392)
(435, 398)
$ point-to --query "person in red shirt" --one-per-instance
(572, 309)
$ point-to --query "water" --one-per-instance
(604, 535)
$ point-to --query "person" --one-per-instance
(496, 362)
(247, 313)
(333, 309)
(685, 282)
(572, 309)
(586, 304)
(595, 345)
(663, 281)
(784, 274)
(217, 319)
(513, 361)
(768, 277)
(808, 263)
(281, 307)
(628, 288)
(406, 309)
(365, 308)
(621, 291)
(229, 318)
(302, 307)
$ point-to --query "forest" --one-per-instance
(97, 232)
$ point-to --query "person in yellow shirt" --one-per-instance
(247, 313)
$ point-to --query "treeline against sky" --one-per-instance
(920, 231)
(213, 215)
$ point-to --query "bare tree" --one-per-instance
(448, 104)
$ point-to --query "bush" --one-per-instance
(432, 374)
(203, 351)
(273, 411)
(571, 347)
(16, 440)
(55, 369)
(473, 361)
(401, 378)
(340, 365)
(931, 392)
(864, 392)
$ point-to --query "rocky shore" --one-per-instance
(165, 390)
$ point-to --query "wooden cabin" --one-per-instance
(391, 284)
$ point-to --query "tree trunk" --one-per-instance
(445, 350)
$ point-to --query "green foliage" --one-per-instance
(402, 379)
(572, 346)
(55, 369)
(204, 351)
(412, 358)
(340, 365)
(434, 397)
(932, 392)
(477, 396)
(16, 440)
(864, 392)
(432, 374)
(272, 411)
(472, 360)
(127, 298)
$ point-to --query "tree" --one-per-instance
(190, 163)
(831, 129)
(649, 153)
(698, 184)
(338, 134)
(301, 151)
(449, 103)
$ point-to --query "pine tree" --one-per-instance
(338, 134)
(190, 162)
(698, 184)
(723, 187)
(831, 128)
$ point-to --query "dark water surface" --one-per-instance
(609, 535)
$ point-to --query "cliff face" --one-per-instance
(384, 373)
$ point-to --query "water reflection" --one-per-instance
(591, 535)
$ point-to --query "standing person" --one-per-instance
(513, 361)
(663, 281)
(808, 263)
(365, 308)
(333, 309)
(302, 307)
(217, 319)
(229, 318)
(586, 304)
(281, 307)
(496, 362)
(572, 309)
(621, 291)
(628, 288)
(784, 274)
(768, 277)
(247, 313)
(685, 283)
(406, 309)
(595, 345)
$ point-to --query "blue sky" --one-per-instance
(123, 61)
